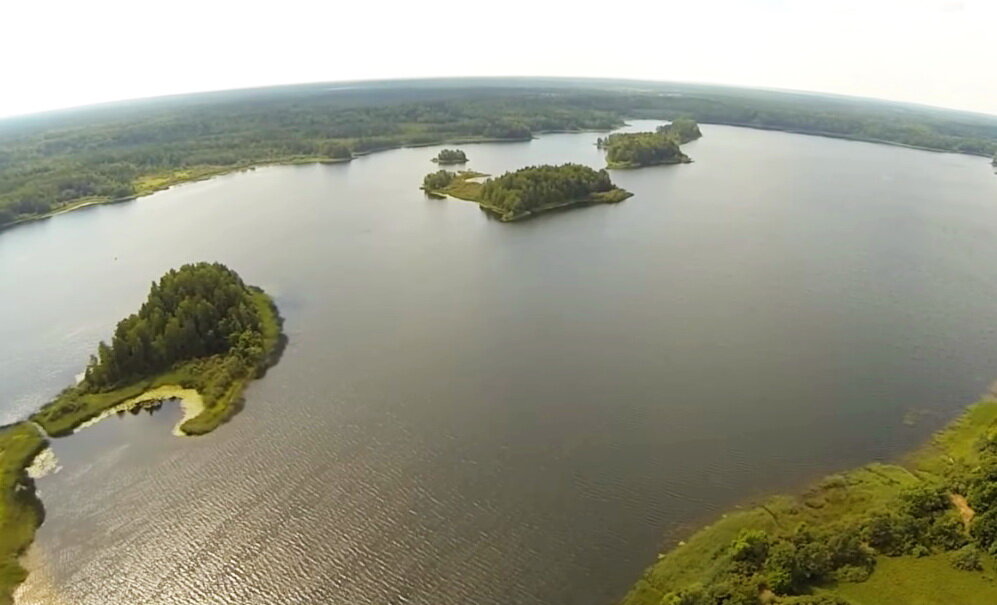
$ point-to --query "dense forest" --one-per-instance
(450, 156)
(54, 161)
(635, 149)
(682, 130)
(439, 180)
(201, 326)
(197, 311)
(531, 189)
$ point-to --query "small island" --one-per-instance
(682, 130)
(450, 156)
(200, 337)
(200, 328)
(528, 192)
(639, 149)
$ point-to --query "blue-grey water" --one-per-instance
(477, 412)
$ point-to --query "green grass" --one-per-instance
(20, 511)
(922, 581)
(836, 500)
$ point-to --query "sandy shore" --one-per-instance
(190, 401)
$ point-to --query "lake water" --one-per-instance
(478, 412)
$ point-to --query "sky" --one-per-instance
(65, 53)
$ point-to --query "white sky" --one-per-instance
(61, 53)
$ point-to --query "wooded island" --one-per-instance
(202, 330)
(528, 191)
(638, 149)
(450, 156)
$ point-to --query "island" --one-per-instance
(682, 130)
(638, 149)
(923, 531)
(529, 191)
(201, 336)
(201, 328)
(59, 163)
(450, 156)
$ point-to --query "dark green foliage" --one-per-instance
(451, 156)
(924, 500)
(532, 188)
(197, 311)
(681, 130)
(632, 150)
(967, 558)
(436, 181)
(751, 547)
(984, 530)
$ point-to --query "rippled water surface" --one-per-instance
(475, 412)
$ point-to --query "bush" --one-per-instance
(967, 558)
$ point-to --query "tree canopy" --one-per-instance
(196, 311)
(681, 130)
(531, 188)
(451, 156)
(635, 149)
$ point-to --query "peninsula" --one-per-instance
(529, 191)
(201, 336)
(919, 533)
(638, 149)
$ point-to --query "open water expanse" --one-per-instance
(517, 414)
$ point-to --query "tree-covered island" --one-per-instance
(528, 191)
(450, 156)
(201, 328)
(201, 333)
(638, 149)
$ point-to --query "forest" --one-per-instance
(682, 130)
(450, 156)
(533, 189)
(636, 149)
(59, 160)
(201, 327)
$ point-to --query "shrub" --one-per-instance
(967, 558)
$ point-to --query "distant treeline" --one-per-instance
(97, 154)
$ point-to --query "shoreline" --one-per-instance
(190, 400)
(689, 549)
(210, 173)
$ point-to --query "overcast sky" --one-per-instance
(62, 53)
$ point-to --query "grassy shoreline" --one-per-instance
(210, 394)
(834, 501)
(21, 512)
(200, 173)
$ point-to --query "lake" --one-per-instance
(477, 412)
